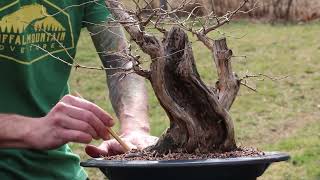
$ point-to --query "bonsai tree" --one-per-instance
(199, 118)
(200, 125)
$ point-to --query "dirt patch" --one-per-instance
(147, 155)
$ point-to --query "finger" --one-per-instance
(84, 104)
(87, 117)
(105, 149)
(74, 124)
(116, 148)
(95, 152)
(68, 135)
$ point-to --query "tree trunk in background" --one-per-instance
(285, 10)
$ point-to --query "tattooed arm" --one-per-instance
(128, 94)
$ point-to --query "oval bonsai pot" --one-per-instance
(242, 168)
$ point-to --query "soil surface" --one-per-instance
(147, 155)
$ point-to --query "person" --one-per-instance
(38, 117)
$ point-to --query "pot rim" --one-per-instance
(268, 158)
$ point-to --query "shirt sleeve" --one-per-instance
(96, 12)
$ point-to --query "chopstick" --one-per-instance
(122, 143)
(110, 131)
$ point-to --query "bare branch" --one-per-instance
(249, 87)
(262, 75)
(226, 18)
(149, 44)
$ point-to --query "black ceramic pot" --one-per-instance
(244, 168)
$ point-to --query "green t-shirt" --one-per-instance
(32, 82)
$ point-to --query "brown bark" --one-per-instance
(199, 120)
(228, 83)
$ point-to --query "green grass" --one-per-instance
(283, 115)
(304, 147)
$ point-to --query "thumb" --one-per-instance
(95, 152)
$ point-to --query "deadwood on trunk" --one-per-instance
(228, 83)
(199, 121)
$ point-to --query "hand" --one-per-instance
(135, 140)
(71, 120)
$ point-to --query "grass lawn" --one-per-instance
(283, 115)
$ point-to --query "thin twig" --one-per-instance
(247, 86)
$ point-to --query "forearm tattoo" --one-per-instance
(127, 93)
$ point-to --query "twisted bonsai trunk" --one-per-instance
(199, 120)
